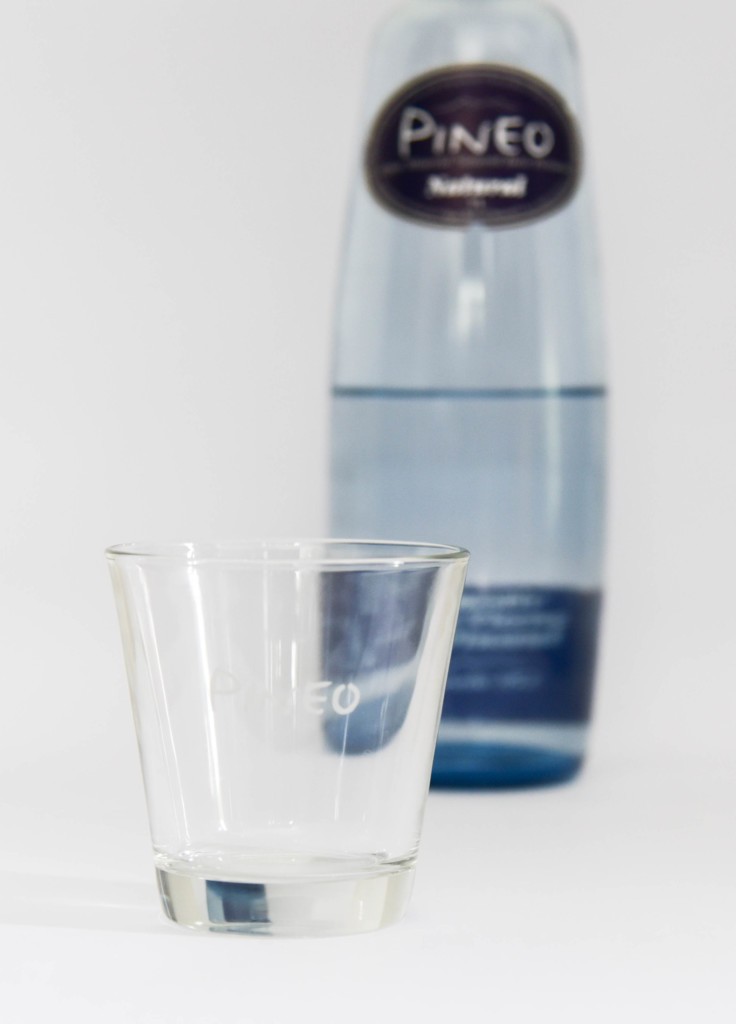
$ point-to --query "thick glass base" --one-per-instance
(507, 756)
(294, 907)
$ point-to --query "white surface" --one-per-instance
(172, 183)
(608, 900)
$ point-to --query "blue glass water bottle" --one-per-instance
(468, 393)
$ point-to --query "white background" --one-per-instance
(173, 178)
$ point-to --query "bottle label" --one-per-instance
(372, 634)
(474, 143)
(524, 654)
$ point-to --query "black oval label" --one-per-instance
(474, 143)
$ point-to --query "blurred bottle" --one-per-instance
(468, 400)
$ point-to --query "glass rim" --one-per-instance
(290, 552)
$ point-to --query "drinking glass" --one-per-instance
(286, 697)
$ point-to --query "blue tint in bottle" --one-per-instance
(468, 393)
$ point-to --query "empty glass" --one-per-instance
(286, 698)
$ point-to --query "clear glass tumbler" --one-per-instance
(286, 698)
